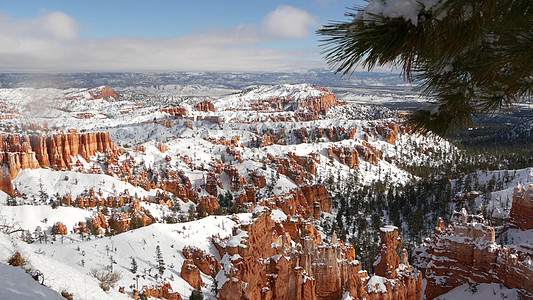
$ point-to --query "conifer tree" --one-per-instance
(473, 56)
(133, 265)
(159, 259)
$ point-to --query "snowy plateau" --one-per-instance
(232, 190)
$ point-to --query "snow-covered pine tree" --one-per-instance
(133, 265)
(473, 56)
(159, 259)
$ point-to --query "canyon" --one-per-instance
(243, 195)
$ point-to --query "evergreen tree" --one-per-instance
(133, 265)
(196, 295)
(11, 201)
(159, 259)
(474, 56)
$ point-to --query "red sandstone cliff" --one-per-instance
(466, 252)
(288, 260)
(205, 106)
(104, 93)
(521, 213)
(57, 151)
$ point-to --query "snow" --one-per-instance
(278, 215)
(376, 284)
(68, 260)
(29, 182)
(29, 216)
(407, 9)
(238, 239)
(485, 291)
(16, 284)
(388, 228)
(66, 265)
(515, 237)
(347, 296)
(499, 202)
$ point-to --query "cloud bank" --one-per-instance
(52, 43)
(289, 22)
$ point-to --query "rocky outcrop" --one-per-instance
(317, 104)
(84, 115)
(237, 180)
(57, 151)
(59, 228)
(162, 147)
(320, 104)
(205, 106)
(301, 135)
(104, 92)
(163, 291)
(389, 132)
(287, 260)
(388, 260)
(349, 156)
(308, 200)
(466, 252)
(234, 141)
(207, 263)
(521, 213)
(191, 273)
(297, 168)
(208, 205)
(258, 179)
(175, 111)
(345, 155)
(212, 183)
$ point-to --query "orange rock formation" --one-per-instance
(288, 260)
(56, 151)
(163, 291)
(104, 93)
(466, 252)
(205, 262)
(191, 273)
(521, 213)
(205, 106)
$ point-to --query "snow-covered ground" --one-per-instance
(66, 262)
(16, 284)
(484, 291)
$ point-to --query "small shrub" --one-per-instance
(107, 279)
(16, 260)
(67, 295)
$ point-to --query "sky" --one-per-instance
(164, 35)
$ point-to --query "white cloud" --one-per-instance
(50, 43)
(59, 25)
(289, 22)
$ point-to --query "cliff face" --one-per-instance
(308, 200)
(287, 260)
(176, 111)
(56, 151)
(313, 104)
(466, 252)
(319, 104)
(521, 213)
(389, 132)
(205, 106)
(104, 93)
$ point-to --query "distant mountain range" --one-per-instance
(210, 79)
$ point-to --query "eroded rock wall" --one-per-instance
(57, 151)
(264, 259)
(466, 252)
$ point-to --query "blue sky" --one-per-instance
(157, 35)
